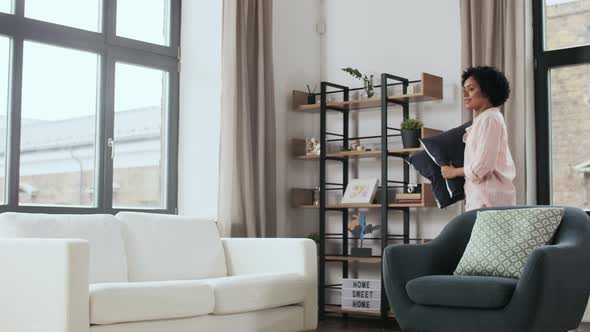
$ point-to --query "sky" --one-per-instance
(60, 83)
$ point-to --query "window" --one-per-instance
(6, 6)
(151, 26)
(566, 23)
(58, 124)
(4, 92)
(570, 141)
(89, 108)
(73, 13)
(141, 106)
(562, 101)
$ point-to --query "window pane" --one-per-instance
(58, 131)
(152, 26)
(6, 6)
(567, 23)
(4, 93)
(570, 145)
(141, 108)
(79, 14)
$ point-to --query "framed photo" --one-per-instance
(360, 191)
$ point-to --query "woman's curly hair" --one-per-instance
(492, 83)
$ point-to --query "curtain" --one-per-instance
(499, 33)
(247, 185)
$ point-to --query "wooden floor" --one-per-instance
(372, 325)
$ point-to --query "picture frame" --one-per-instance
(360, 191)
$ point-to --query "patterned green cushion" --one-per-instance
(501, 240)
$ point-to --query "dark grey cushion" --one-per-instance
(461, 291)
(430, 170)
(448, 148)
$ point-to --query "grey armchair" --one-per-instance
(550, 296)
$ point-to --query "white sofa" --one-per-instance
(141, 272)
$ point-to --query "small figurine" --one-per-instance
(358, 227)
(354, 144)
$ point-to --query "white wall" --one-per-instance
(200, 107)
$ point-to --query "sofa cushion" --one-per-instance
(461, 291)
(252, 292)
(501, 240)
(170, 247)
(108, 261)
(139, 301)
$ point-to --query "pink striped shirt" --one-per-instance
(488, 165)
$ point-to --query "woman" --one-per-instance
(488, 166)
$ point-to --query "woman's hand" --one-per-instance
(449, 172)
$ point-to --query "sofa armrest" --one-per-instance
(553, 288)
(253, 255)
(44, 285)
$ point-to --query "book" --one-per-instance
(408, 196)
(408, 201)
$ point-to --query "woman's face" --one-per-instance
(472, 96)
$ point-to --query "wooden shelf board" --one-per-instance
(432, 89)
(427, 201)
(308, 156)
(354, 259)
(413, 98)
(362, 206)
(357, 104)
(361, 154)
(339, 310)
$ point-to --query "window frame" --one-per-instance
(111, 49)
(545, 60)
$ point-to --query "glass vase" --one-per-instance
(369, 86)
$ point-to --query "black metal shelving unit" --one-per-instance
(386, 132)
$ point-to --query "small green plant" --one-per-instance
(367, 80)
(411, 124)
(314, 236)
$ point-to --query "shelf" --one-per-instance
(361, 206)
(354, 259)
(351, 105)
(431, 90)
(298, 149)
(427, 201)
(361, 154)
(339, 310)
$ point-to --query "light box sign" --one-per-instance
(361, 294)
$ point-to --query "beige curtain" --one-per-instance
(247, 188)
(498, 33)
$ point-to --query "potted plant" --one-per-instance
(367, 80)
(411, 133)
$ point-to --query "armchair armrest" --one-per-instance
(404, 262)
(555, 280)
(253, 255)
(44, 285)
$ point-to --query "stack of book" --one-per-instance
(361, 295)
(408, 198)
